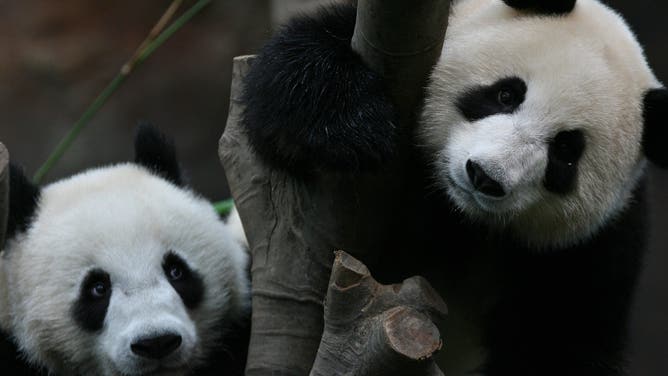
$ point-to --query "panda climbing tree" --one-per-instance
(521, 182)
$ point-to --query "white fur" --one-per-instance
(123, 220)
(236, 227)
(584, 70)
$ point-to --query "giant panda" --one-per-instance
(122, 270)
(537, 125)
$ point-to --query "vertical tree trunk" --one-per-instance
(4, 192)
(294, 227)
(282, 10)
(401, 40)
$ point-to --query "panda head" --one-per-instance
(120, 270)
(539, 116)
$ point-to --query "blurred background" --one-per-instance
(57, 56)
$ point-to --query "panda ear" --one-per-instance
(156, 152)
(550, 7)
(655, 134)
(23, 201)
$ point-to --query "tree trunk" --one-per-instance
(401, 40)
(282, 10)
(4, 193)
(294, 226)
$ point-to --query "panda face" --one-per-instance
(535, 123)
(122, 273)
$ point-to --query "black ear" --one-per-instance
(550, 7)
(156, 152)
(23, 200)
(655, 135)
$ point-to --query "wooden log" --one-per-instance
(374, 329)
(289, 272)
(293, 226)
(401, 40)
(4, 192)
(282, 10)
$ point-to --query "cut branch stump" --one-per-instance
(373, 329)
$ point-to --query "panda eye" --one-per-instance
(98, 285)
(175, 272)
(99, 290)
(186, 281)
(90, 308)
(568, 146)
(506, 97)
(502, 97)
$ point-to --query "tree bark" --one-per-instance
(282, 10)
(401, 40)
(293, 226)
(4, 193)
(374, 329)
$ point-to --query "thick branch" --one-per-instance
(290, 269)
(4, 192)
(294, 225)
(374, 329)
(401, 40)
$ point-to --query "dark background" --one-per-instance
(57, 56)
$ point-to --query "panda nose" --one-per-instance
(482, 182)
(156, 347)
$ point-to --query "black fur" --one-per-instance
(156, 152)
(566, 312)
(12, 362)
(311, 104)
(480, 102)
(189, 285)
(23, 201)
(655, 134)
(230, 355)
(549, 312)
(563, 155)
(549, 7)
(89, 311)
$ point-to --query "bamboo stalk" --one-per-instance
(118, 80)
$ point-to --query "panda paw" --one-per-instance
(311, 103)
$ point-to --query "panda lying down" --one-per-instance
(121, 270)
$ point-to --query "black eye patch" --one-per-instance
(90, 308)
(564, 153)
(502, 97)
(185, 281)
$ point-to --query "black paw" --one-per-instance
(311, 103)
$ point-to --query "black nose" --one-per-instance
(482, 182)
(156, 347)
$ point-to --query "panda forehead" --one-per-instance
(116, 211)
(491, 36)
